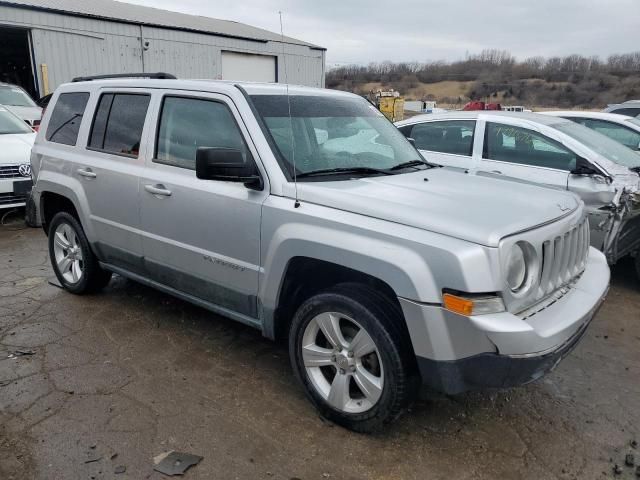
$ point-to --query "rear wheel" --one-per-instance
(352, 359)
(73, 262)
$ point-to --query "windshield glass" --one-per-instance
(634, 121)
(9, 123)
(15, 97)
(329, 132)
(610, 149)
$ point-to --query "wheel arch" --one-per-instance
(305, 276)
(57, 198)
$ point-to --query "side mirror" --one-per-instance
(227, 165)
(412, 141)
(584, 167)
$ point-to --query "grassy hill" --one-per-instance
(495, 76)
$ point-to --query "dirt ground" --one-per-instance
(90, 384)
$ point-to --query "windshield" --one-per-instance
(328, 132)
(634, 121)
(15, 97)
(9, 123)
(610, 149)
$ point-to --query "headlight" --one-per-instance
(516, 269)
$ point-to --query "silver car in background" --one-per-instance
(621, 128)
(630, 108)
(545, 150)
(17, 100)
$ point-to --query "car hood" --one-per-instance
(16, 148)
(468, 207)
(29, 114)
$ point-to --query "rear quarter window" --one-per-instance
(118, 123)
(66, 118)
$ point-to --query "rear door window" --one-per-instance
(508, 143)
(187, 124)
(452, 136)
(66, 118)
(118, 123)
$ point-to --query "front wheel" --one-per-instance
(72, 259)
(352, 358)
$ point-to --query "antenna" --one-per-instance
(293, 142)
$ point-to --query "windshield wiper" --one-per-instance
(413, 163)
(336, 171)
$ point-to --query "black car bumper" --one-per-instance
(492, 370)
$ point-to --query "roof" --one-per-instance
(613, 117)
(252, 88)
(136, 14)
(473, 115)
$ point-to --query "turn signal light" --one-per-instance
(456, 304)
(474, 304)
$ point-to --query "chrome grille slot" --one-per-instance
(564, 257)
(10, 171)
(9, 198)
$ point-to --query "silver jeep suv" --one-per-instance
(304, 213)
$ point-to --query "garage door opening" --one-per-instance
(16, 66)
(248, 67)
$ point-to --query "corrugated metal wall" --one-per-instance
(75, 46)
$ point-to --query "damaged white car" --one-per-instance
(546, 150)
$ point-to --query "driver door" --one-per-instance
(201, 237)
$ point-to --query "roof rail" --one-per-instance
(156, 75)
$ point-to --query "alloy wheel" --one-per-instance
(342, 362)
(68, 253)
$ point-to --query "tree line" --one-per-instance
(572, 80)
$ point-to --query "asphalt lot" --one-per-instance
(115, 379)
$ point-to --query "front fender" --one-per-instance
(416, 264)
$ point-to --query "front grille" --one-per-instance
(563, 257)
(9, 198)
(10, 171)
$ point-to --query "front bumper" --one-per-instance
(14, 191)
(457, 353)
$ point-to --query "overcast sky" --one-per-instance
(363, 31)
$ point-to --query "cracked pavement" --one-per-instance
(119, 377)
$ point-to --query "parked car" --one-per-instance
(630, 108)
(375, 265)
(621, 128)
(549, 151)
(16, 139)
(19, 102)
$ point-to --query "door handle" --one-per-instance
(86, 172)
(496, 171)
(158, 190)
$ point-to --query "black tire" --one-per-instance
(638, 265)
(93, 277)
(383, 321)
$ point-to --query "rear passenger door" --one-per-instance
(522, 153)
(109, 172)
(446, 142)
(201, 237)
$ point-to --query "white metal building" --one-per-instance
(44, 43)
